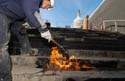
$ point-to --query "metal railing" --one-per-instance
(115, 24)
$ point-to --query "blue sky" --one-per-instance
(65, 11)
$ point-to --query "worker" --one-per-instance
(10, 12)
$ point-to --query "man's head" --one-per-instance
(46, 4)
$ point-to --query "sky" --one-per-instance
(65, 11)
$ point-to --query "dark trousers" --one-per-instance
(5, 64)
(19, 31)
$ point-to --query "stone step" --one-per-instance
(95, 53)
(24, 60)
(26, 73)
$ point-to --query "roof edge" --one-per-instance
(97, 8)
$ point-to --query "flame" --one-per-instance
(58, 61)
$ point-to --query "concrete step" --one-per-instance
(95, 53)
(24, 60)
(26, 73)
(23, 69)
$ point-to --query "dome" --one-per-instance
(78, 21)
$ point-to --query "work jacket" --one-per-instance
(21, 10)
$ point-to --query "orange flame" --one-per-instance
(57, 61)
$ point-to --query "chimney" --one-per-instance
(86, 23)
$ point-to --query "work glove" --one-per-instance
(46, 35)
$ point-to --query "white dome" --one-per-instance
(78, 21)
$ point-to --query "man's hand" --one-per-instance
(46, 35)
(23, 30)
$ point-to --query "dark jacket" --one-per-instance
(21, 9)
